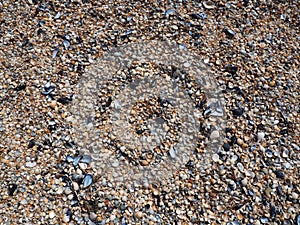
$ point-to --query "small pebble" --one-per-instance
(51, 214)
(260, 136)
(237, 112)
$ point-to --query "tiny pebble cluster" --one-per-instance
(252, 48)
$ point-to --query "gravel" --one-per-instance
(252, 50)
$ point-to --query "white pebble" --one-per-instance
(215, 157)
(30, 164)
(51, 215)
(214, 135)
(260, 136)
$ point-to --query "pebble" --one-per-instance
(260, 136)
(30, 164)
(237, 111)
(214, 135)
(231, 69)
(51, 214)
(239, 141)
(93, 216)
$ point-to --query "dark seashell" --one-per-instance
(251, 192)
(189, 163)
(74, 203)
(129, 18)
(86, 159)
(195, 16)
(237, 111)
(40, 31)
(69, 159)
(202, 15)
(68, 144)
(170, 11)
(231, 68)
(58, 14)
(233, 140)
(283, 131)
(64, 100)
(87, 180)
(229, 33)
(47, 142)
(42, 23)
(11, 189)
(208, 4)
(124, 35)
(279, 174)
(198, 16)
(273, 212)
(78, 178)
(76, 160)
(66, 44)
(298, 219)
(31, 143)
(54, 54)
(47, 89)
(233, 223)
(238, 206)
(67, 37)
(264, 220)
(21, 87)
(269, 153)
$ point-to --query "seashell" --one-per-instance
(170, 11)
(233, 223)
(69, 159)
(76, 160)
(208, 4)
(229, 33)
(58, 14)
(54, 54)
(47, 89)
(66, 44)
(87, 180)
(86, 159)
(298, 219)
(172, 152)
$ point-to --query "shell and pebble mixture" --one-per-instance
(252, 48)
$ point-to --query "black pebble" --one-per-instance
(21, 87)
(11, 189)
(237, 111)
(64, 100)
(231, 69)
(31, 143)
(226, 147)
(233, 140)
(279, 174)
(139, 131)
(279, 190)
